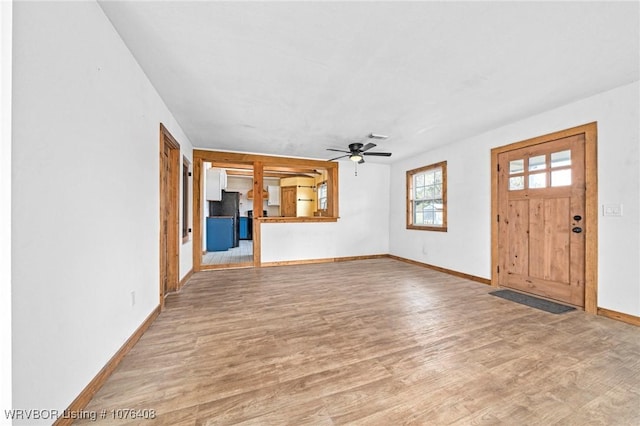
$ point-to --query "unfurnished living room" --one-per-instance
(320, 213)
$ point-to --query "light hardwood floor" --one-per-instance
(372, 342)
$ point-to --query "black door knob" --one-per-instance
(577, 217)
(577, 230)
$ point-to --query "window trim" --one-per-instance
(409, 203)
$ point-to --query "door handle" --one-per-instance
(577, 230)
(577, 218)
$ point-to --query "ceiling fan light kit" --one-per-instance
(357, 150)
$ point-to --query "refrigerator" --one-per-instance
(228, 206)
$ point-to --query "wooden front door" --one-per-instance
(541, 219)
(288, 201)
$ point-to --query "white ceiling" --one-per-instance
(295, 78)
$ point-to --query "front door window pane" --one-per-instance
(561, 159)
(537, 163)
(516, 166)
(516, 183)
(538, 180)
(561, 177)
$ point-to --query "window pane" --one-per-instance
(438, 218)
(418, 219)
(420, 193)
(537, 163)
(437, 191)
(516, 166)
(516, 183)
(428, 178)
(428, 217)
(429, 191)
(438, 176)
(539, 180)
(419, 179)
(561, 177)
(560, 159)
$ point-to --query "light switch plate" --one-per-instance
(612, 210)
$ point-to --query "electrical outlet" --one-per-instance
(133, 298)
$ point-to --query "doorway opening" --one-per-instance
(544, 216)
(227, 232)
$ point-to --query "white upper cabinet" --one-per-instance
(274, 195)
(216, 182)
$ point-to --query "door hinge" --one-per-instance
(498, 268)
(498, 167)
(498, 218)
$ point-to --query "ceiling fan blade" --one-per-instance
(367, 146)
(361, 161)
(338, 150)
(337, 158)
(378, 154)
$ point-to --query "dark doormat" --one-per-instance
(534, 302)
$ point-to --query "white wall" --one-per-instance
(186, 249)
(363, 227)
(466, 246)
(85, 198)
(243, 185)
(6, 13)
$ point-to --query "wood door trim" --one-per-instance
(590, 131)
(197, 213)
(258, 178)
(173, 236)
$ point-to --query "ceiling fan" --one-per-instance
(357, 150)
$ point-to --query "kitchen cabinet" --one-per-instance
(216, 181)
(244, 228)
(274, 195)
(219, 233)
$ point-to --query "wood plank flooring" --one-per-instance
(371, 342)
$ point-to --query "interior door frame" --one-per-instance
(172, 196)
(590, 131)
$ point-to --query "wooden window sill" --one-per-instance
(428, 228)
